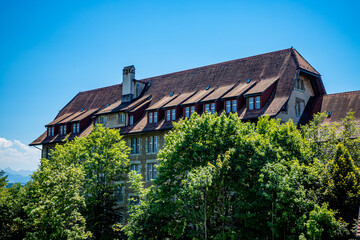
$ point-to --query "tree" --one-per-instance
(72, 193)
(221, 178)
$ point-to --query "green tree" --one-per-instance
(72, 194)
(220, 178)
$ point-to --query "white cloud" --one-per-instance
(16, 155)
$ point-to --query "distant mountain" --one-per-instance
(20, 176)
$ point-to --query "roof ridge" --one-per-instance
(349, 92)
(215, 64)
(100, 88)
(293, 49)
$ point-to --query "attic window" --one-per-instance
(207, 87)
(108, 104)
(329, 113)
(171, 94)
(149, 84)
(249, 80)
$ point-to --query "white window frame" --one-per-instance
(257, 102)
(121, 118)
(251, 103)
(135, 167)
(152, 144)
(151, 171)
(135, 146)
(300, 84)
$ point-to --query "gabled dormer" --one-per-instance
(259, 95)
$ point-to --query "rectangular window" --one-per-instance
(102, 120)
(192, 109)
(131, 120)
(173, 115)
(135, 145)
(167, 115)
(299, 85)
(234, 106)
(152, 144)
(119, 193)
(187, 112)
(257, 102)
(78, 127)
(155, 117)
(150, 117)
(212, 108)
(298, 108)
(135, 167)
(228, 106)
(152, 172)
(52, 131)
(49, 131)
(121, 118)
(64, 129)
(207, 108)
(74, 128)
(251, 103)
(61, 130)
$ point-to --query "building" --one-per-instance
(280, 84)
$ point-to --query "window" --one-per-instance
(257, 102)
(119, 193)
(102, 120)
(150, 117)
(155, 117)
(207, 108)
(173, 115)
(234, 106)
(131, 121)
(152, 144)
(299, 85)
(151, 171)
(212, 108)
(52, 131)
(76, 127)
(251, 103)
(121, 118)
(187, 112)
(299, 103)
(61, 130)
(228, 106)
(64, 129)
(192, 110)
(167, 115)
(135, 145)
(135, 167)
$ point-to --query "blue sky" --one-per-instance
(51, 50)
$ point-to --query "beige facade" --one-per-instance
(297, 101)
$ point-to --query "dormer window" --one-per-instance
(131, 120)
(257, 102)
(234, 106)
(150, 117)
(251, 103)
(61, 130)
(76, 127)
(192, 110)
(212, 108)
(207, 108)
(187, 112)
(168, 115)
(51, 131)
(155, 117)
(173, 114)
(228, 106)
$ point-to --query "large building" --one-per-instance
(280, 84)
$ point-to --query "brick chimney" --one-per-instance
(128, 85)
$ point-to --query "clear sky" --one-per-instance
(51, 50)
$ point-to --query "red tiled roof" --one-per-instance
(339, 104)
(282, 65)
(262, 86)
